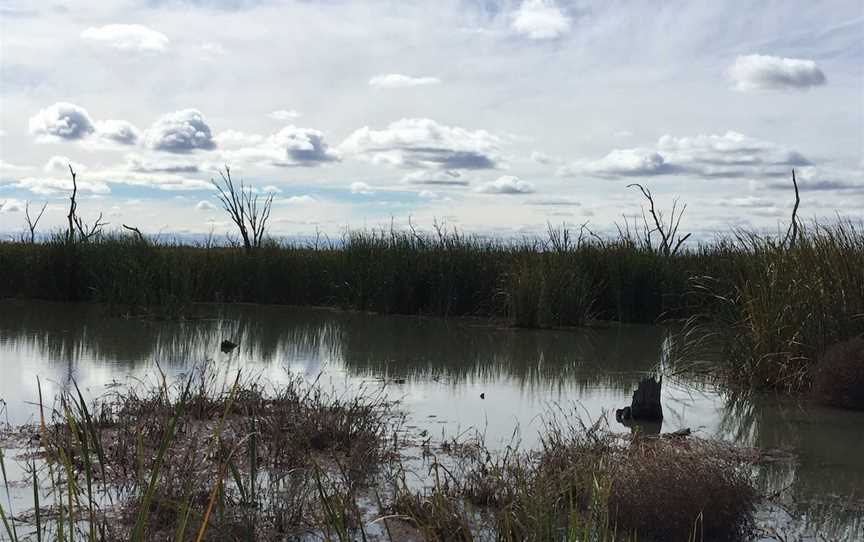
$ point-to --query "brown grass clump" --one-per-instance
(586, 483)
(681, 489)
(839, 379)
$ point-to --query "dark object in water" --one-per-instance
(398, 380)
(482, 396)
(228, 346)
(645, 405)
(839, 375)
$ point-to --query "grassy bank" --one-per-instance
(203, 458)
(775, 306)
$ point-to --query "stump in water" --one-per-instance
(646, 402)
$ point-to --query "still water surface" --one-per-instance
(439, 369)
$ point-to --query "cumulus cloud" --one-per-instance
(54, 185)
(361, 188)
(507, 184)
(118, 131)
(424, 144)
(397, 80)
(180, 132)
(289, 147)
(763, 72)
(272, 189)
(127, 38)
(204, 206)
(61, 121)
(435, 178)
(285, 114)
(812, 179)
(540, 20)
(729, 155)
(623, 163)
(138, 164)
(60, 164)
(295, 200)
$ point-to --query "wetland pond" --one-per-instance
(438, 370)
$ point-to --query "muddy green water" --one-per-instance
(439, 369)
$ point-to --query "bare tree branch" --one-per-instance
(70, 233)
(137, 232)
(32, 223)
(76, 223)
(241, 204)
(792, 232)
(670, 241)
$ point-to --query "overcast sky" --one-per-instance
(485, 115)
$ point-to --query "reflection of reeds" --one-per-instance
(608, 357)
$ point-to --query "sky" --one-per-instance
(494, 117)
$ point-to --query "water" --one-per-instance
(439, 369)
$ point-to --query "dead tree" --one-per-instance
(792, 232)
(241, 204)
(670, 239)
(80, 231)
(33, 222)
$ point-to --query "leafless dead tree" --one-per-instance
(76, 224)
(670, 239)
(241, 204)
(792, 232)
(33, 222)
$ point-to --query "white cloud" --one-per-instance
(55, 185)
(396, 80)
(763, 72)
(12, 206)
(271, 189)
(435, 178)
(361, 188)
(541, 158)
(428, 194)
(729, 155)
(211, 50)
(61, 121)
(118, 131)
(138, 164)
(60, 164)
(289, 147)
(296, 200)
(507, 184)
(180, 132)
(622, 163)
(234, 138)
(204, 206)
(540, 20)
(6, 166)
(423, 143)
(127, 38)
(285, 114)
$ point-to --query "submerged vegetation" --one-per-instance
(204, 458)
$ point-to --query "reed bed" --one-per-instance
(773, 305)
